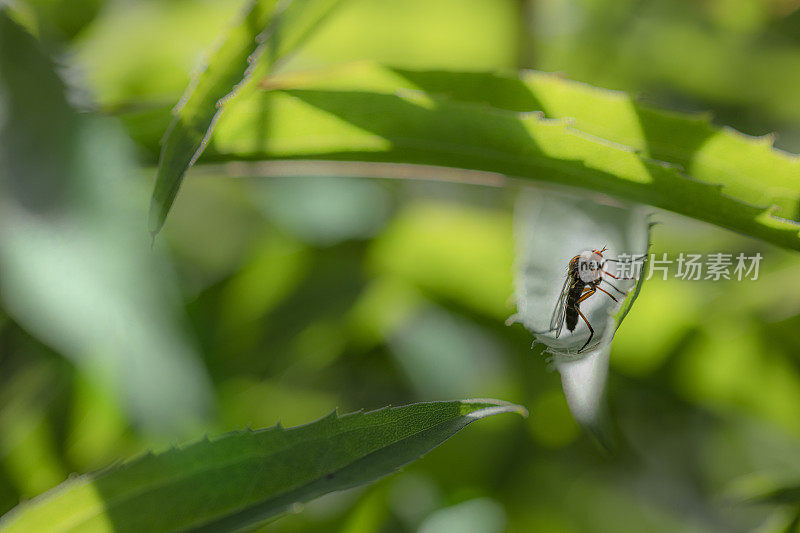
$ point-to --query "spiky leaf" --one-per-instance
(248, 477)
(364, 114)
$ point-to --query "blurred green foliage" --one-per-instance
(287, 306)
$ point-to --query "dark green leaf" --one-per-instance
(245, 478)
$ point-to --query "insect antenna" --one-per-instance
(631, 260)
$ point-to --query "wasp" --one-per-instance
(584, 275)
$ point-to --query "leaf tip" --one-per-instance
(155, 220)
(483, 407)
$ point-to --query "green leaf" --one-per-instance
(369, 114)
(553, 228)
(750, 168)
(550, 230)
(268, 30)
(248, 477)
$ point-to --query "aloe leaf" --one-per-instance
(245, 478)
(316, 118)
(277, 28)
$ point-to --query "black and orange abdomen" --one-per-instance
(571, 305)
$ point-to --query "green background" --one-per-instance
(297, 295)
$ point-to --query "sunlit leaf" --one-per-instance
(353, 117)
(750, 168)
(268, 30)
(245, 478)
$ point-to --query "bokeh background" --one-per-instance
(271, 299)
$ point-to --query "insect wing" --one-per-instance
(557, 320)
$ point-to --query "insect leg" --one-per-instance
(614, 286)
(591, 331)
(613, 276)
(609, 294)
(585, 295)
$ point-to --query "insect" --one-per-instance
(584, 275)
